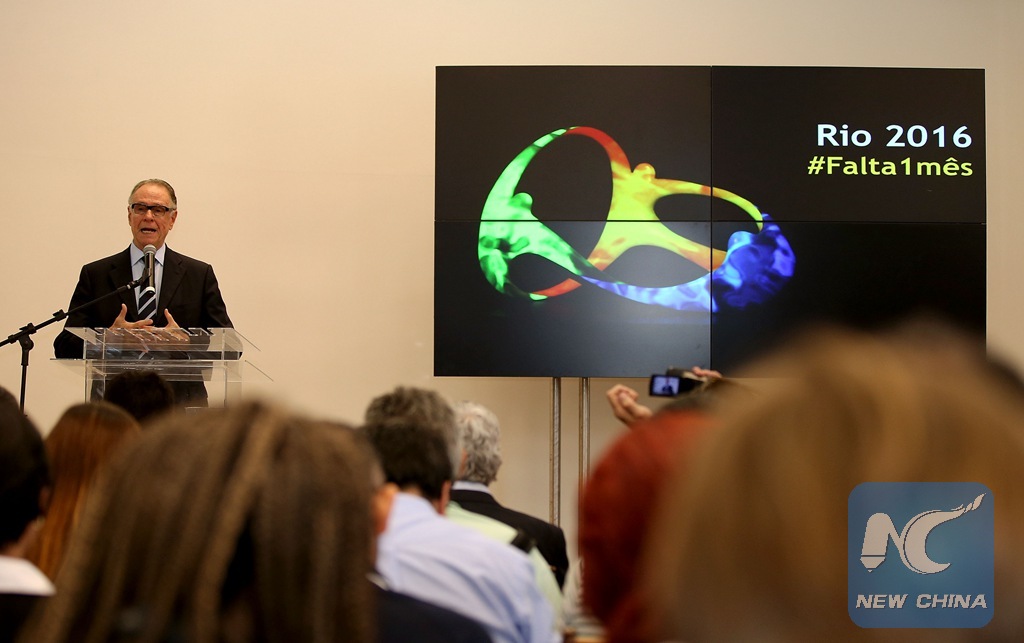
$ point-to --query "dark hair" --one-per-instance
(24, 472)
(144, 394)
(411, 455)
(422, 407)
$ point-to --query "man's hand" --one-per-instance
(172, 325)
(170, 320)
(121, 323)
(706, 374)
(625, 407)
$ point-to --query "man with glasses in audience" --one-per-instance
(187, 294)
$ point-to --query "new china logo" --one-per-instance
(936, 570)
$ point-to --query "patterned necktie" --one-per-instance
(147, 303)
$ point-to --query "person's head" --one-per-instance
(753, 543)
(83, 441)
(615, 516)
(414, 457)
(423, 408)
(152, 210)
(144, 394)
(24, 475)
(7, 398)
(237, 524)
(479, 438)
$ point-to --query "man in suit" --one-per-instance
(479, 434)
(187, 292)
(24, 487)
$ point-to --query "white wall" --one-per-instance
(300, 139)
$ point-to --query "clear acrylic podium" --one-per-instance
(207, 357)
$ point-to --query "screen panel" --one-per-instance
(487, 116)
(584, 326)
(852, 144)
(613, 221)
(864, 275)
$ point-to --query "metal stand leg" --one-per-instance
(555, 454)
(584, 431)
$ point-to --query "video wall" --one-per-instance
(615, 221)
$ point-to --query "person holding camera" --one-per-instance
(626, 406)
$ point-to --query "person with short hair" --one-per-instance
(187, 293)
(428, 409)
(479, 435)
(423, 555)
(144, 394)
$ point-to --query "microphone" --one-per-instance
(149, 278)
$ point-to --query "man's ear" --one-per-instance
(446, 495)
(462, 463)
(381, 503)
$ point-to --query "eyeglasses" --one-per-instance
(158, 210)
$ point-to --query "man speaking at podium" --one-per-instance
(187, 295)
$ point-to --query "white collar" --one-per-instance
(137, 254)
(18, 576)
(466, 485)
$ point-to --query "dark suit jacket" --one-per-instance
(189, 290)
(402, 618)
(550, 539)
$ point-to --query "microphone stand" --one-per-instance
(24, 334)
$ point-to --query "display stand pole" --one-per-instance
(24, 334)
(555, 454)
(584, 432)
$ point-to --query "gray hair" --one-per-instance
(479, 434)
(164, 184)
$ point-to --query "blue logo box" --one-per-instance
(921, 554)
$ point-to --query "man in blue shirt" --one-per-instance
(426, 556)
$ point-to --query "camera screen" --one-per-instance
(664, 385)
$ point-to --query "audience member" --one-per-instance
(479, 438)
(24, 484)
(625, 401)
(240, 524)
(79, 446)
(428, 409)
(615, 517)
(751, 543)
(422, 407)
(400, 617)
(144, 394)
(422, 554)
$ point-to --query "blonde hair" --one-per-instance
(239, 524)
(751, 540)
